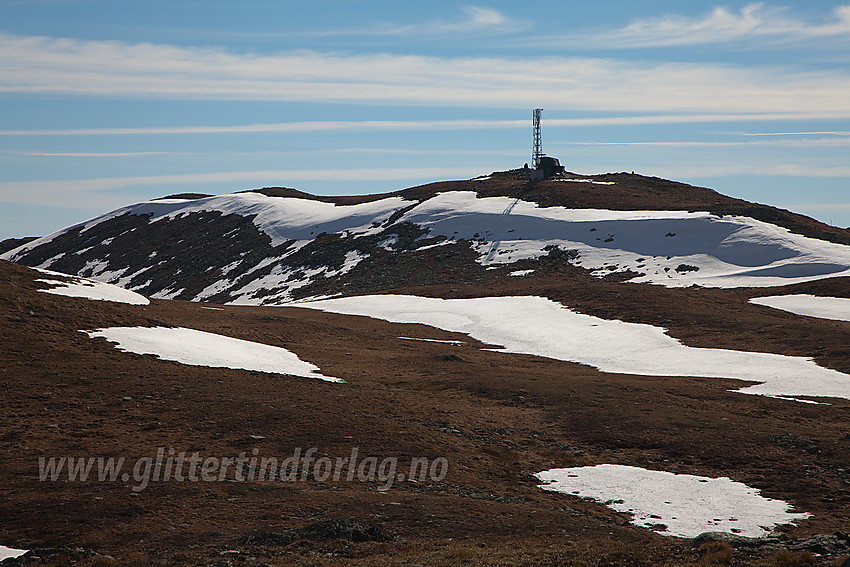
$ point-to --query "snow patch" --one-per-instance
(230, 267)
(835, 308)
(214, 288)
(520, 273)
(790, 399)
(586, 181)
(199, 348)
(168, 293)
(285, 218)
(686, 505)
(455, 343)
(388, 244)
(445, 242)
(91, 289)
(8, 552)
(352, 258)
(541, 327)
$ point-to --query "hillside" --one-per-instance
(596, 371)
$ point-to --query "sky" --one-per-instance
(105, 103)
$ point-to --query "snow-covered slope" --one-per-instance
(665, 246)
(249, 248)
(541, 327)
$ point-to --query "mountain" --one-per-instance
(276, 245)
(590, 370)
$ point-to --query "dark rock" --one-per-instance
(822, 544)
(451, 358)
(189, 196)
(731, 539)
(343, 528)
(12, 243)
(791, 441)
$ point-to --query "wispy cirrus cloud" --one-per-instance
(476, 19)
(753, 23)
(313, 126)
(90, 154)
(816, 133)
(74, 67)
(424, 125)
(787, 143)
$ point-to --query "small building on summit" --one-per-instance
(550, 166)
(547, 168)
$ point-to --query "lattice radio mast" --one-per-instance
(537, 153)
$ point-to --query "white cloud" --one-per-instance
(118, 69)
(755, 21)
(484, 17)
(785, 143)
(319, 126)
(477, 20)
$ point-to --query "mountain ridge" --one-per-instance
(276, 245)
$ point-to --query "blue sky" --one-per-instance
(105, 103)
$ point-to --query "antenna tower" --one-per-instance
(538, 150)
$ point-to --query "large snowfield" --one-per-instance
(670, 248)
(729, 251)
(539, 326)
(685, 505)
(199, 348)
